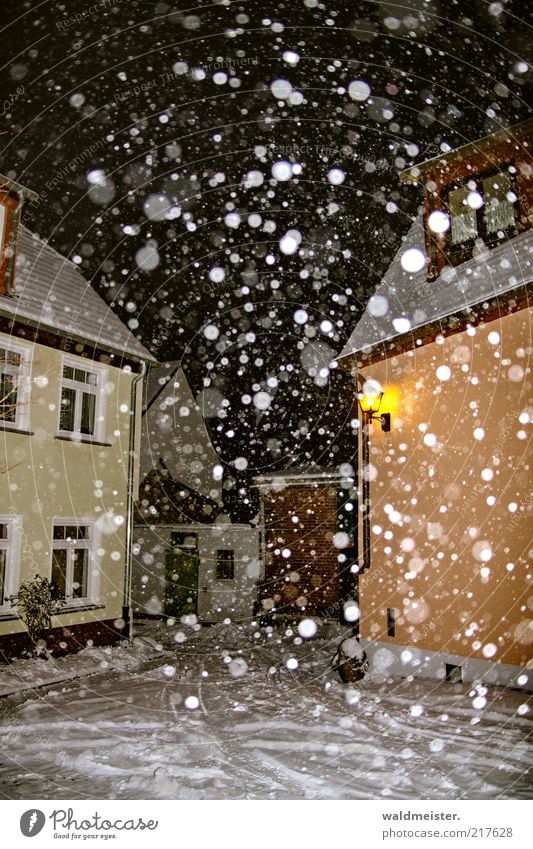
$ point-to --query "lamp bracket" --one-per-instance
(384, 420)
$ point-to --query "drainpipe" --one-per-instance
(127, 609)
(365, 433)
(364, 505)
(351, 669)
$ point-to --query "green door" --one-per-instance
(181, 581)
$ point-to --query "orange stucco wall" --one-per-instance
(451, 496)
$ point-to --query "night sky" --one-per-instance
(151, 130)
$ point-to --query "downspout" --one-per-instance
(363, 510)
(263, 552)
(127, 609)
(354, 669)
(365, 485)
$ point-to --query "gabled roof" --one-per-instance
(404, 301)
(50, 293)
(17, 189)
(157, 380)
(174, 431)
(163, 500)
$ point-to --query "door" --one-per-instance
(181, 575)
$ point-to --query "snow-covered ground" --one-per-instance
(232, 712)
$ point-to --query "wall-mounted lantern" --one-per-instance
(370, 398)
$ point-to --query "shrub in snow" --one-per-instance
(350, 661)
(35, 605)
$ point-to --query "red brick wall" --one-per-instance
(62, 641)
(303, 520)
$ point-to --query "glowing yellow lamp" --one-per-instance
(370, 396)
(370, 401)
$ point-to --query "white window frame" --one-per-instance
(98, 391)
(481, 214)
(91, 544)
(23, 383)
(11, 545)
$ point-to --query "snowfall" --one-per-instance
(242, 712)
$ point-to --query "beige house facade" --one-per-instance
(445, 587)
(71, 378)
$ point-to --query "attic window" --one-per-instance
(499, 203)
(484, 209)
(463, 217)
(8, 205)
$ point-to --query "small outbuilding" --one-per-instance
(189, 560)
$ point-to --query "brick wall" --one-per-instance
(62, 641)
(301, 520)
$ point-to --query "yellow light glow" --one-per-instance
(391, 401)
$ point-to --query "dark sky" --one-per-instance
(151, 130)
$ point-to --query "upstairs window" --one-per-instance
(484, 208)
(8, 205)
(82, 400)
(463, 216)
(225, 565)
(74, 570)
(14, 384)
(500, 204)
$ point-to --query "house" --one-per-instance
(70, 403)
(308, 520)
(189, 558)
(444, 586)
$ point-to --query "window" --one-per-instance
(186, 541)
(81, 400)
(75, 570)
(15, 360)
(9, 559)
(463, 217)
(225, 564)
(8, 205)
(391, 622)
(454, 673)
(499, 203)
(485, 208)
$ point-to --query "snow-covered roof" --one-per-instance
(292, 477)
(17, 188)
(175, 432)
(50, 293)
(406, 301)
(513, 134)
